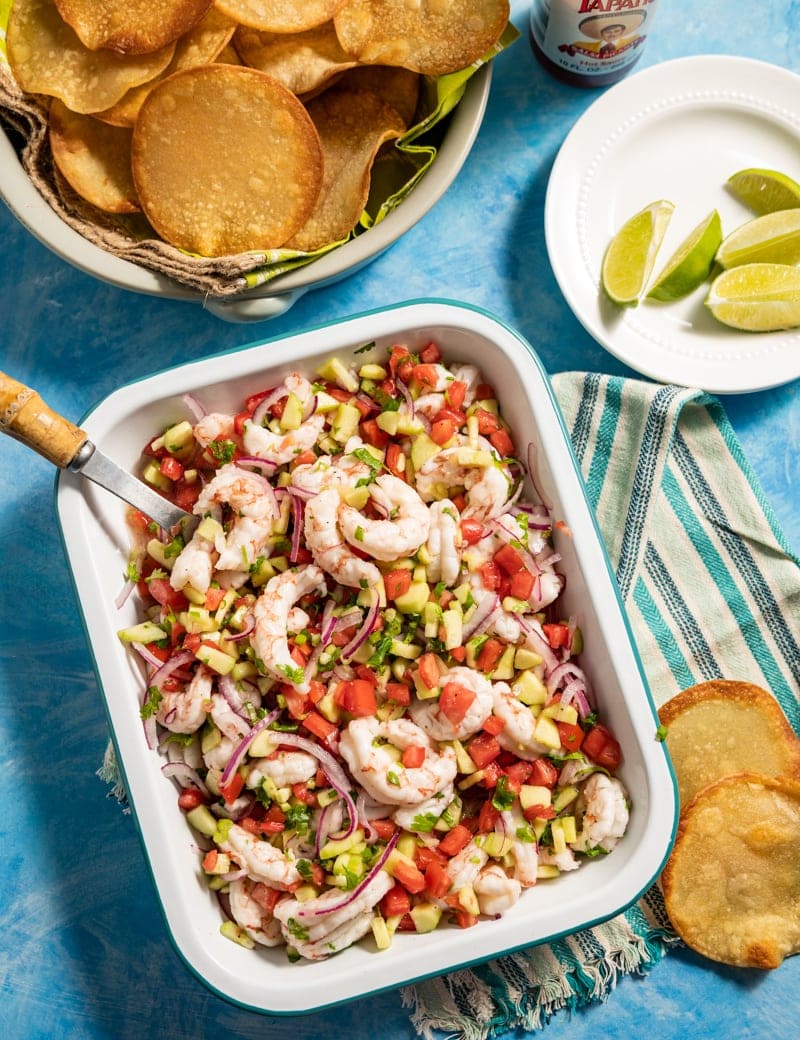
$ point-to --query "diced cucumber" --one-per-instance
(534, 794)
(413, 601)
(525, 658)
(423, 449)
(546, 732)
(373, 371)
(380, 933)
(335, 371)
(564, 797)
(504, 669)
(388, 422)
(333, 848)
(210, 529)
(468, 900)
(345, 422)
(153, 476)
(426, 916)
(453, 623)
(144, 632)
(179, 439)
(236, 934)
(263, 744)
(357, 497)
(408, 651)
(201, 819)
(529, 688)
(292, 415)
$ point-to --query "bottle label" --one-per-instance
(596, 37)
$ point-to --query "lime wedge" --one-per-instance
(631, 253)
(757, 297)
(765, 191)
(690, 264)
(771, 239)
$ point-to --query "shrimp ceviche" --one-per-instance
(358, 668)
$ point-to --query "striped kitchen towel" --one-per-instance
(712, 591)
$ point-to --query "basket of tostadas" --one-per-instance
(225, 143)
(732, 883)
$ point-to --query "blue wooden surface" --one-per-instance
(83, 951)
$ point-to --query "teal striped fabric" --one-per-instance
(712, 591)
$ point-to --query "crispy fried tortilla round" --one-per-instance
(280, 16)
(130, 26)
(94, 158)
(200, 45)
(431, 36)
(303, 62)
(397, 86)
(732, 883)
(721, 727)
(351, 127)
(225, 160)
(47, 57)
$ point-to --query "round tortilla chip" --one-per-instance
(352, 127)
(225, 160)
(46, 57)
(94, 158)
(432, 36)
(721, 727)
(202, 44)
(397, 86)
(303, 62)
(280, 16)
(732, 884)
(130, 26)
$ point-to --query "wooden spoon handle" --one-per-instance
(25, 416)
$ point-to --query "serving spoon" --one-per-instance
(25, 417)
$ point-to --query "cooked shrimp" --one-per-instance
(261, 861)
(194, 564)
(214, 426)
(218, 756)
(565, 860)
(284, 769)
(422, 818)
(285, 445)
(605, 816)
(371, 749)
(251, 914)
(404, 530)
(328, 548)
(524, 853)
(428, 713)
(332, 470)
(444, 542)
(251, 497)
(463, 869)
(480, 471)
(316, 931)
(271, 612)
(519, 724)
(226, 720)
(496, 891)
(185, 711)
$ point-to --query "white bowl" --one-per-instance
(94, 533)
(277, 296)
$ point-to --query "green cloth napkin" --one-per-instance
(712, 591)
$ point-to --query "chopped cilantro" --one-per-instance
(424, 823)
(526, 834)
(294, 675)
(296, 930)
(152, 702)
(365, 348)
(298, 817)
(223, 451)
(661, 733)
(503, 797)
(304, 869)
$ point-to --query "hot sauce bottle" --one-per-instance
(590, 43)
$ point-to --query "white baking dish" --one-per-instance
(94, 533)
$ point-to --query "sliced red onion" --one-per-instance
(195, 406)
(364, 631)
(148, 655)
(480, 615)
(574, 692)
(332, 769)
(180, 771)
(367, 880)
(247, 628)
(297, 527)
(369, 831)
(177, 661)
(328, 622)
(311, 406)
(229, 690)
(239, 752)
(310, 669)
(406, 395)
(300, 492)
(537, 640)
(559, 675)
(264, 406)
(124, 593)
(255, 460)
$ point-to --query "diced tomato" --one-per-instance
(267, 897)
(400, 362)
(305, 458)
(431, 354)
(254, 400)
(558, 634)
(190, 798)
(423, 856)
(373, 434)
(455, 701)
(395, 461)
(210, 860)
(508, 559)
(493, 725)
(297, 704)
(406, 924)
(185, 495)
(602, 747)
(484, 392)
(490, 576)
(571, 735)
(487, 421)
(163, 593)
(213, 598)
(428, 668)
(442, 429)
(274, 820)
(396, 902)
(489, 654)
(413, 756)
(398, 692)
(487, 817)
(543, 773)
(501, 441)
(539, 812)
(138, 520)
(455, 840)
(239, 422)
(397, 582)
(455, 393)
(410, 877)
(471, 530)
(464, 919)
(492, 772)
(366, 673)
(483, 749)
(437, 881)
(319, 726)
(425, 374)
(316, 691)
(232, 789)
(303, 794)
(384, 828)
(458, 653)
(518, 773)
(171, 467)
(522, 584)
(356, 696)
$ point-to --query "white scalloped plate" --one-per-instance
(676, 131)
